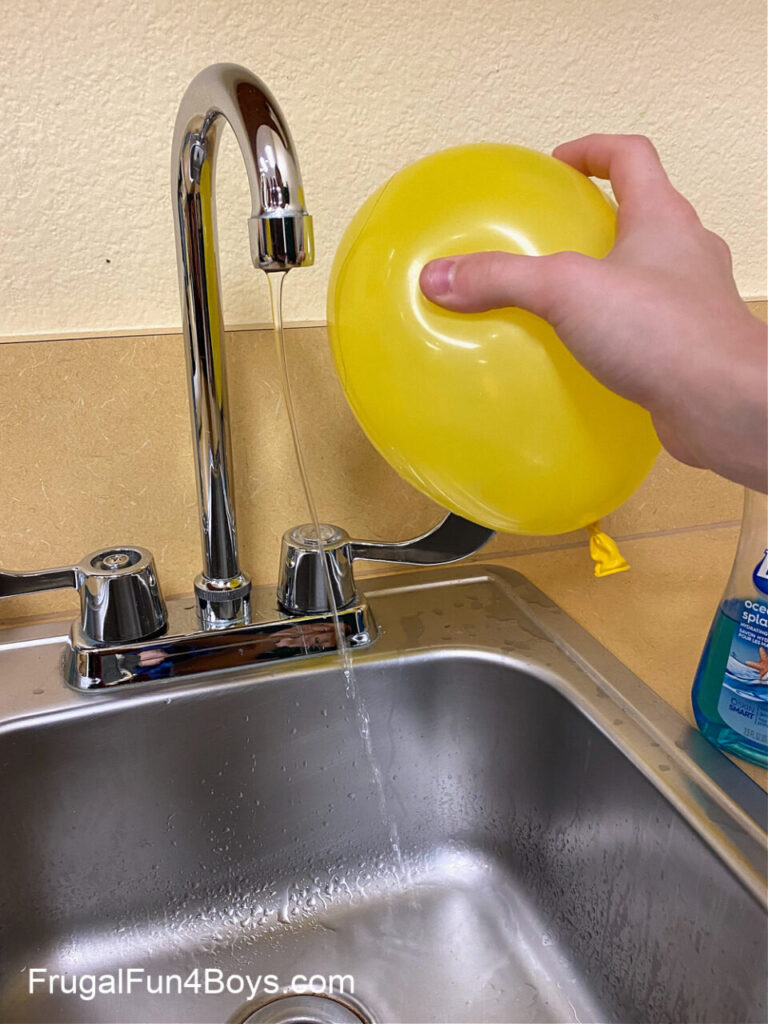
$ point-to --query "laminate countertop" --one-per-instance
(656, 616)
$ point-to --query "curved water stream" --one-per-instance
(276, 280)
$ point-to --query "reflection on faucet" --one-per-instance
(280, 237)
(215, 650)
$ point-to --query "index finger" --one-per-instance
(630, 162)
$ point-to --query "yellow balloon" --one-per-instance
(487, 413)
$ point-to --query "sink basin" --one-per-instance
(539, 837)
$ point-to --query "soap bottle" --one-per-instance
(730, 691)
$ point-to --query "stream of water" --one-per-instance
(275, 280)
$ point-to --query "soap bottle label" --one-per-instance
(743, 701)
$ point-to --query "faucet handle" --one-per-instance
(120, 599)
(13, 584)
(453, 538)
(304, 580)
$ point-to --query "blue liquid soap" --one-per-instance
(730, 691)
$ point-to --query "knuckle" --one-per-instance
(492, 270)
(642, 144)
(498, 263)
(685, 211)
(718, 245)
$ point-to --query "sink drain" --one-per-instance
(308, 1009)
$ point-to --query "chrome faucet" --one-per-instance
(281, 238)
(127, 632)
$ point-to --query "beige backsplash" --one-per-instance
(95, 449)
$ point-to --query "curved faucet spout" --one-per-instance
(280, 231)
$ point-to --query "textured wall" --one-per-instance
(88, 94)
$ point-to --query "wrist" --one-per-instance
(718, 418)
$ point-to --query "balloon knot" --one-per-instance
(605, 552)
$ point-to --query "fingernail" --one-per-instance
(437, 277)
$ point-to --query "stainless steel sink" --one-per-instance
(547, 840)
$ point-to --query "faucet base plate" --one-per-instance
(186, 648)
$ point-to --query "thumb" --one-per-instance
(491, 280)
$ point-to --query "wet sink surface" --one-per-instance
(565, 855)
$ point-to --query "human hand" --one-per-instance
(659, 320)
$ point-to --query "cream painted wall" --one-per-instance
(88, 93)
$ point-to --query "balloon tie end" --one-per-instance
(605, 552)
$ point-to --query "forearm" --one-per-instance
(716, 415)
